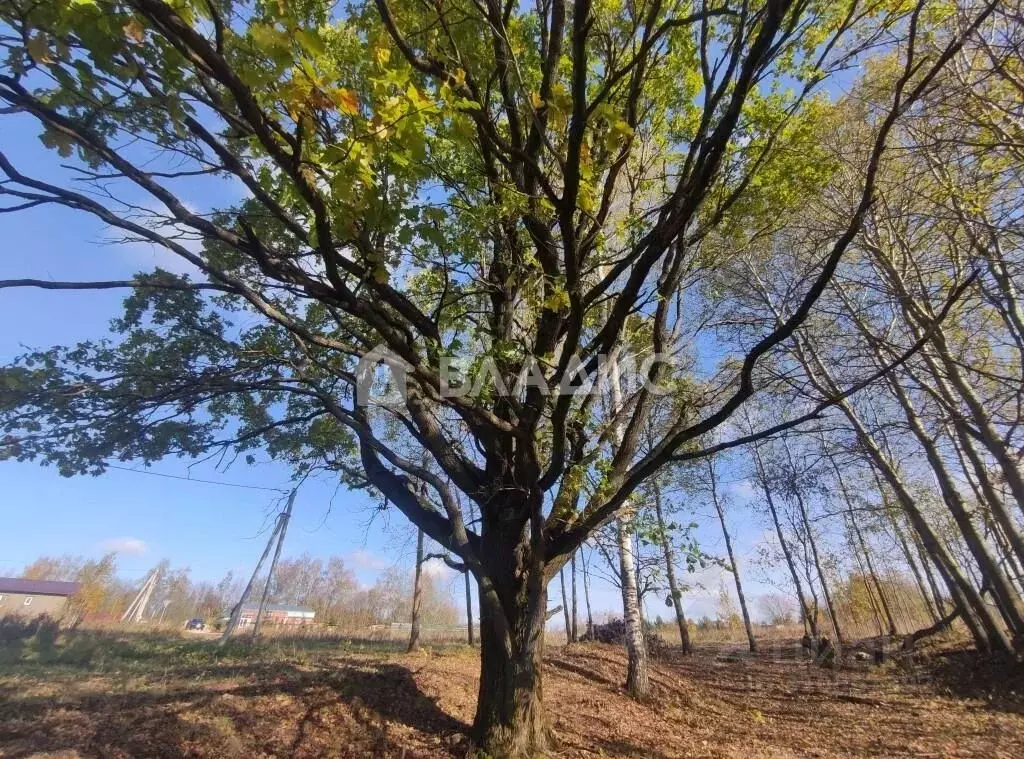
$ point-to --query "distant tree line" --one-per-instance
(328, 587)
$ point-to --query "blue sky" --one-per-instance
(210, 528)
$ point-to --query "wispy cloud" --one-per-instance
(127, 546)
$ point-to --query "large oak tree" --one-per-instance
(463, 178)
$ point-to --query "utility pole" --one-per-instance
(138, 606)
(286, 515)
(236, 611)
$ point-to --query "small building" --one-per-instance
(277, 615)
(34, 598)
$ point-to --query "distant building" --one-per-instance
(277, 615)
(34, 598)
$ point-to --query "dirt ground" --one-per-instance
(117, 695)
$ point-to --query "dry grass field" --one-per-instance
(116, 694)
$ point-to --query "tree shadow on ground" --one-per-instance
(355, 710)
(582, 670)
(998, 680)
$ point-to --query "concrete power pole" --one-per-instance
(138, 606)
(276, 535)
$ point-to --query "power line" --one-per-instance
(197, 479)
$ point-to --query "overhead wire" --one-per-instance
(199, 479)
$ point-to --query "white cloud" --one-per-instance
(743, 491)
(127, 546)
(361, 559)
(437, 568)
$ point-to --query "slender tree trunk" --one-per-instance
(922, 589)
(863, 544)
(417, 595)
(469, 608)
(565, 606)
(751, 641)
(636, 648)
(874, 578)
(866, 579)
(920, 317)
(971, 461)
(926, 565)
(986, 631)
(829, 606)
(670, 571)
(805, 611)
(805, 518)
(469, 593)
(637, 682)
(996, 579)
(575, 615)
(586, 594)
(636, 571)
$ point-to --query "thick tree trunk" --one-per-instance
(751, 641)
(510, 722)
(417, 595)
(637, 682)
(670, 571)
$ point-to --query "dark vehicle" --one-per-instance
(195, 624)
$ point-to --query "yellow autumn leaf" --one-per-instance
(380, 128)
(536, 101)
(39, 49)
(417, 98)
(135, 31)
(558, 300)
(347, 101)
